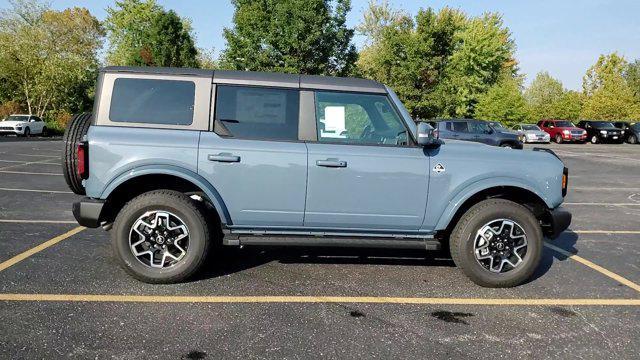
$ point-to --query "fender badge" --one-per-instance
(439, 168)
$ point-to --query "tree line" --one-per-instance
(441, 63)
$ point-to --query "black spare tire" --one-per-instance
(74, 133)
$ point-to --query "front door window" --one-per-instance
(358, 119)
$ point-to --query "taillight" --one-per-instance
(83, 160)
(565, 181)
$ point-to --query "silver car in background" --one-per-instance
(532, 133)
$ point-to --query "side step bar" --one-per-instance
(329, 239)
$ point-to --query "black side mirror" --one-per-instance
(427, 135)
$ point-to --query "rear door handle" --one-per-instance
(332, 163)
(224, 158)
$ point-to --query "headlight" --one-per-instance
(603, 132)
(566, 132)
(19, 128)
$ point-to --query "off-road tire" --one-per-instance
(463, 237)
(74, 133)
(191, 212)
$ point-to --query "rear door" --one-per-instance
(367, 176)
(254, 158)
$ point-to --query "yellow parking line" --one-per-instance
(604, 232)
(16, 259)
(317, 299)
(28, 173)
(600, 204)
(595, 267)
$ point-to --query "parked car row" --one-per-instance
(23, 125)
(560, 131)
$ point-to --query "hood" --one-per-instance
(608, 128)
(13, 123)
(535, 132)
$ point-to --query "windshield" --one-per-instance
(564, 124)
(602, 124)
(17, 118)
(498, 126)
(530, 127)
(403, 111)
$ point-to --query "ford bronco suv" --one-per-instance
(175, 162)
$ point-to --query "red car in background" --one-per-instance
(563, 130)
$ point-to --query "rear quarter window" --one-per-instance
(152, 101)
(257, 113)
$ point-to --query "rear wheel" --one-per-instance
(45, 132)
(594, 139)
(497, 243)
(161, 237)
(74, 133)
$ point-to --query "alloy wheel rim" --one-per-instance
(500, 245)
(159, 239)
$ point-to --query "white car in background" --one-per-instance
(532, 133)
(23, 125)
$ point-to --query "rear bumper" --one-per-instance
(560, 219)
(87, 212)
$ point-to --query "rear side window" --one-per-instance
(460, 126)
(149, 101)
(257, 113)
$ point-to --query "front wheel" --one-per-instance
(497, 243)
(161, 237)
(632, 139)
(559, 139)
(27, 133)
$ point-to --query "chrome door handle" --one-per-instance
(224, 158)
(332, 163)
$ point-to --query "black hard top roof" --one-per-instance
(234, 77)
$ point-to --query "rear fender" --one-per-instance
(188, 175)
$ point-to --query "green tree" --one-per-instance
(439, 63)
(609, 97)
(49, 59)
(295, 36)
(567, 107)
(632, 75)
(378, 17)
(543, 95)
(127, 24)
(503, 102)
(484, 50)
(142, 33)
(168, 43)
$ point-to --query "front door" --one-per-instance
(362, 174)
(254, 158)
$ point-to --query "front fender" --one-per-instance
(177, 171)
(465, 192)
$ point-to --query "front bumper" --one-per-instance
(559, 221)
(87, 212)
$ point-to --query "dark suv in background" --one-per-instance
(631, 131)
(602, 132)
(478, 131)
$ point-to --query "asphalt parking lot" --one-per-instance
(62, 294)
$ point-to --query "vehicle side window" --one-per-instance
(479, 127)
(460, 126)
(358, 119)
(149, 101)
(257, 113)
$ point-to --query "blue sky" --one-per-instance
(562, 37)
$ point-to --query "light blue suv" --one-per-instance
(176, 161)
